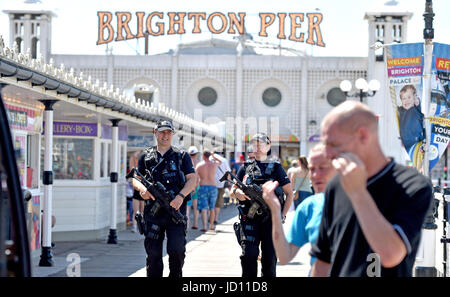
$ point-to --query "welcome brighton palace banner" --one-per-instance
(405, 64)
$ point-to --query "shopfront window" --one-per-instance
(73, 158)
(32, 161)
(105, 159)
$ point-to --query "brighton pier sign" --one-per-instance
(154, 24)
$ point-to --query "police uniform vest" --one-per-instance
(166, 169)
(255, 175)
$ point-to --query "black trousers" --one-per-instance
(258, 233)
(156, 229)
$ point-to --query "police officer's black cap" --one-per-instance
(261, 137)
(163, 125)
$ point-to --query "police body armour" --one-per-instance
(255, 175)
(166, 169)
(259, 177)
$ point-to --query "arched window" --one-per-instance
(34, 47)
(20, 44)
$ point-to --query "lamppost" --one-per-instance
(365, 89)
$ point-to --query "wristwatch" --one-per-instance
(181, 194)
(283, 220)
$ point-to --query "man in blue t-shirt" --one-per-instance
(306, 222)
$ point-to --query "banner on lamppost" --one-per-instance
(439, 110)
(405, 71)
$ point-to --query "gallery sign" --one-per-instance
(154, 24)
(74, 129)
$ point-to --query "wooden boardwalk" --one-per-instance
(216, 254)
(210, 254)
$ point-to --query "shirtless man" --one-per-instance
(207, 194)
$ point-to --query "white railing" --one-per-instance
(103, 90)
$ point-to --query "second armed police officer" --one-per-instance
(174, 169)
(257, 230)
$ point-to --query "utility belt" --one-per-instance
(252, 213)
(245, 229)
(153, 231)
(150, 229)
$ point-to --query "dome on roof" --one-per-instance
(29, 6)
(389, 7)
(212, 46)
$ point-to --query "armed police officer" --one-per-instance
(255, 228)
(174, 170)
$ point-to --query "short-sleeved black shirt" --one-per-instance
(277, 174)
(186, 167)
(402, 195)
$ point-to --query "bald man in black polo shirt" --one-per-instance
(374, 208)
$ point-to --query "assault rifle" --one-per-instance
(253, 191)
(161, 195)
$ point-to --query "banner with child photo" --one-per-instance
(404, 70)
(439, 110)
(405, 64)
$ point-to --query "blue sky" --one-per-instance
(344, 30)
